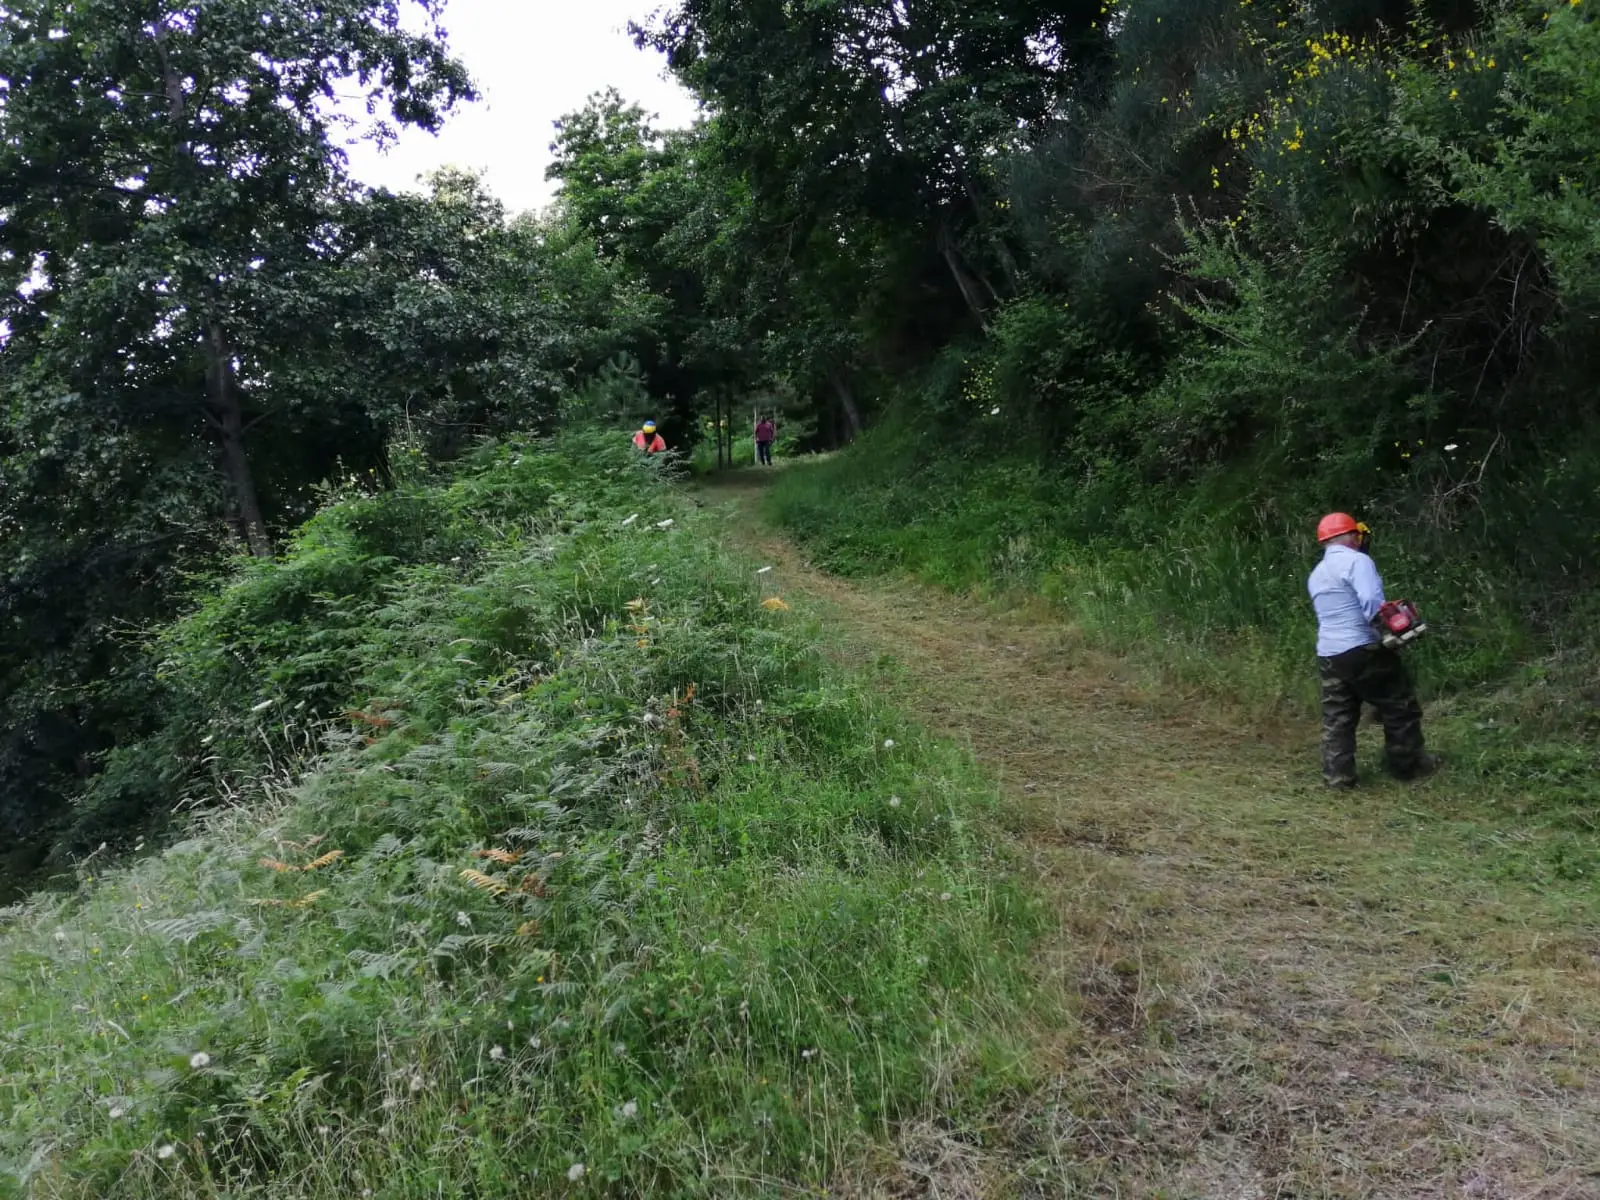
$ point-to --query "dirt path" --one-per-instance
(1277, 992)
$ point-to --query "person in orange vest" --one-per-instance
(648, 440)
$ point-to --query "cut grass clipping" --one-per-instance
(596, 878)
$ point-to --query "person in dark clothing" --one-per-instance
(1356, 668)
(766, 434)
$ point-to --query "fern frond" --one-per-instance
(484, 883)
(504, 857)
(327, 860)
(282, 868)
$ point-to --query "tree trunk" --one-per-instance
(963, 277)
(1008, 262)
(847, 402)
(722, 460)
(227, 418)
(222, 398)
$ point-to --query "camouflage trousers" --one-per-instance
(1378, 677)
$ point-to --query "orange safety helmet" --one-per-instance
(1338, 524)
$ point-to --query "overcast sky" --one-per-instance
(532, 60)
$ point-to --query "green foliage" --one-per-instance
(1539, 175)
(592, 860)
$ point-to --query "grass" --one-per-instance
(1204, 588)
(1276, 991)
(565, 866)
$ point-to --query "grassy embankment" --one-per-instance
(555, 862)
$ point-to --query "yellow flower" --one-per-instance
(774, 604)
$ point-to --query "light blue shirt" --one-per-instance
(1347, 593)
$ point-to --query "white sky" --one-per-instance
(533, 61)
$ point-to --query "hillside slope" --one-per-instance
(555, 862)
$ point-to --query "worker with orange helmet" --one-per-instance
(648, 440)
(1356, 667)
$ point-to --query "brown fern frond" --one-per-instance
(269, 903)
(504, 857)
(307, 900)
(281, 868)
(327, 860)
(485, 883)
(371, 719)
(528, 929)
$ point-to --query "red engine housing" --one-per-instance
(1398, 622)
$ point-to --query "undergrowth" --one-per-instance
(557, 862)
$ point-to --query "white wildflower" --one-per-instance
(263, 706)
(888, 743)
(630, 1110)
(536, 1041)
(118, 1112)
(894, 801)
(324, 1130)
(199, 1059)
(667, 524)
(630, 520)
(576, 1172)
(497, 1052)
(463, 920)
(764, 571)
(946, 896)
(995, 411)
(808, 1054)
(166, 1151)
(1451, 448)
(417, 1084)
(61, 935)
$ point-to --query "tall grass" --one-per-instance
(597, 879)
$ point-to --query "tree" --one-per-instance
(886, 111)
(167, 182)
